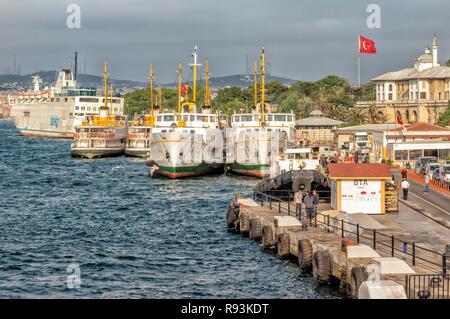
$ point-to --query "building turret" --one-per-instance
(434, 49)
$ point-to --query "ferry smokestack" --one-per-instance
(76, 66)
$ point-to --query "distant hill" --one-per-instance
(241, 80)
(49, 78)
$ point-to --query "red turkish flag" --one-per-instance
(399, 120)
(366, 46)
(184, 89)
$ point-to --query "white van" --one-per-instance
(444, 173)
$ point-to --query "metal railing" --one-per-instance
(411, 252)
(427, 286)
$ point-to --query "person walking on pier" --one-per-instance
(315, 201)
(309, 205)
(405, 188)
(427, 181)
(298, 198)
(404, 174)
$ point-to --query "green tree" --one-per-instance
(444, 118)
(356, 116)
(290, 103)
(448, 63)
(233, 106)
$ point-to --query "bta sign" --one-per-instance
(361, 196)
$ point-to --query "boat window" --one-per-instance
(280, 118)
(185, 117)
(202, 118)
(270, 117)
(158, 118)
(168, 118)
(246, 118)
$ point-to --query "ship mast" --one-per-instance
(105, 85)
(263, 118)
(151, 90)
(180, 75)
(255, 84)
(207, 94)
(160, 96)
(152, 117)
(111, 99)
(194, 65)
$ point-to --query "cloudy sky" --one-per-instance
(304, 40)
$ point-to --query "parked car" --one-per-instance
(430, 168)
(420, 163)
(444, 173)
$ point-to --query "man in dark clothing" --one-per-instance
(404, 174)
(309, 205)
(315, 201)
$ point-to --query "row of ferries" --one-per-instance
(193, 140)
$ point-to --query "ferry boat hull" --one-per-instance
(136, 152)
(257, 170)
(186, 171)
(164, 156)
(97, 152)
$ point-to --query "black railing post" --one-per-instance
(328, 223)
(315, 220)
(289, 204)
(279, 207)
(270, 203)
(414, 254)
(392, 245)
(342, 228)
(444, 264)
(254, 195)
(357, 233)
(374, 239)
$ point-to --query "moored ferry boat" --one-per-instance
(140, 128)
(56, 111)
(259, 136)
(181, 143)
(101, 135)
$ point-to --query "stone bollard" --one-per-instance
(267, 236)
(283, 245)
(255, 229)
(244, 223)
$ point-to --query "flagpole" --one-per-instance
(359, 61)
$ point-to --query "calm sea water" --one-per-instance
(130, 235)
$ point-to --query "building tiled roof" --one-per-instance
(368, 128)
(317, 121)
(437, 72)
(423, 127)
(352, 170)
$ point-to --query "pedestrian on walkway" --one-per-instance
(405, 188)
(309, 205)
(404, 173)
(316, 201)
(427, 182)
(298, 199)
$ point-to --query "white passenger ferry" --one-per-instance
(259, 135)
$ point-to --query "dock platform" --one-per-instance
(362, 256)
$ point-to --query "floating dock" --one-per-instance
(354, 253)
